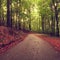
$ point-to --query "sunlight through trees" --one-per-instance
(33, 15)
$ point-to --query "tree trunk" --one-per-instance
(57, 20)
(55, 9)
(53, 25)
(29, 19)
(0, 12)
(9, 21)
(42, 24)
(19, 16)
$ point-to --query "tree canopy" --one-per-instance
(33, 15)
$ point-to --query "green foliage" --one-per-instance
(30, 13)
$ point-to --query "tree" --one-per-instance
(57, 20)
(55, 6)
(9, 21)
(0, 11)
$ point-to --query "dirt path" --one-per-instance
(32, 48)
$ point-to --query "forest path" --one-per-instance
(32, 48)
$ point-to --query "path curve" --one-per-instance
(32, 48)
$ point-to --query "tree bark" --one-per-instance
(9, 21)
(29, 19)
(42, 24)
(57, 21)
(0, 11)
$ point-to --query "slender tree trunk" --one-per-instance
(29, 24)
(23, 25)
(11, 14)
(0, 12)
(42, 24)
(57, 21)
(29, 20)
(39, 24)
(19, 16)
(16, 21)
(53, 25)
(9, 22)
(52, 18)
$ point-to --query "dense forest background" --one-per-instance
(41, 16)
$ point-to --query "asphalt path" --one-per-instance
(32, 48)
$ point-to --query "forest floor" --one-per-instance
(11, 37)
(53, 41)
